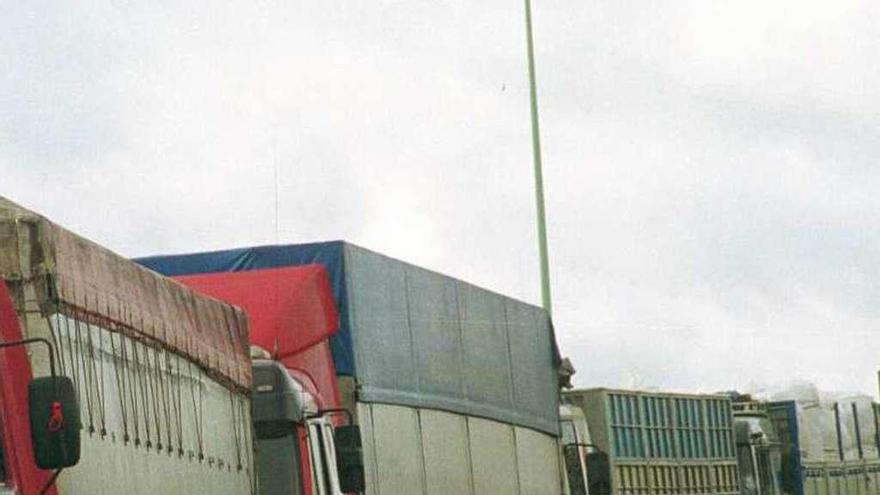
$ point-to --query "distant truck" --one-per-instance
(814, 448)
(454, 388)
(758, 449)
(658, 443)
(115, 380)
(586, 470)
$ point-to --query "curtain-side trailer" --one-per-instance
(160, 375)
(454, 387)
(828, 447)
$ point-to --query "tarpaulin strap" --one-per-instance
(73, 364)
(164, 365)
(142, 387)
(86, 374)
(102, 397)
(120, 386)
(236, 432)
(151, 398)
(56, 339)
(131, 388)
(197, 410)
(247, 429)
(154, 375)
(179, 402)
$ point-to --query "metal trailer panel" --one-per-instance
(445, 444)
(397, 445)
(719, 478)
(663, 443)
(537, 463)
(430, 452)
(493, 457)
(847, 478)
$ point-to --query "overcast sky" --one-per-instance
(711, 166)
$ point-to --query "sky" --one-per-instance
(710, 167)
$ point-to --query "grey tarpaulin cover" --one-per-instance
(424, 339)
(84, 280)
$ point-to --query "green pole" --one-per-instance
(539, 173)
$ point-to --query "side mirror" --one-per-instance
(349, 458)
(55, 422)
(598, 473)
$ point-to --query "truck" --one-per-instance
(825, 447)
(114, 379)
(758, 448)
(586, 470)
(454, 387)
(305, 442)
(657, 442)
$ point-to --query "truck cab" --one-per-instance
(585, 466)
(301, 450)
(758, 450)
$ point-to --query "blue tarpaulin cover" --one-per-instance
(415, 337)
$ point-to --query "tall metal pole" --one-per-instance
(539, 172)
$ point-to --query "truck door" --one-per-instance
(575, 469)
(322, 453)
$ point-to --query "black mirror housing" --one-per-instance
(55, 422)
(599, 473)
(349, 458)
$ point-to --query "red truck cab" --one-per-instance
(306, 444)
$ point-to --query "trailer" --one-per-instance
(660, 443)
(828, 447)
(114, 379)
(454, 387)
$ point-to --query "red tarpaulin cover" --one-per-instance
(292, 315)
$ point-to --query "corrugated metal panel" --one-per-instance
(663, 443)
(847, 478)
(716, 478)
(652, 426)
